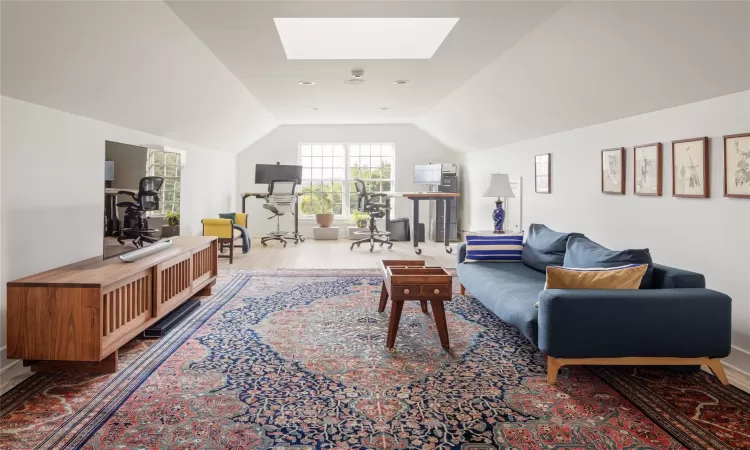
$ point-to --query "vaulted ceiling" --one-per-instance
(214, 73)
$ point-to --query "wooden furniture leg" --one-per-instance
(231, 253)
(463, 290)
(383, 297)
(553, 365)
(107, 365)
(442, 326)
(206, 290)
(396, 308)
(423, 305)
(715, 365)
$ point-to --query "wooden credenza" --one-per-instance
(74, 318)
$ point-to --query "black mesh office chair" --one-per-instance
(280, 201)
(368, 203)
(147, 199)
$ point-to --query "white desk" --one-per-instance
(416, 197)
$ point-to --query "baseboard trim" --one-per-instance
(12, 374)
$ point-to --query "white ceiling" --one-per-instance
(214, 73)
(595, 62)
(243, 36)
(133, 64)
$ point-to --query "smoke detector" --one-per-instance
(358, 77)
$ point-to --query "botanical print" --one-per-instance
(688, 166)
(646, 170)
(542, 175)
(612, 169)
(737, 155)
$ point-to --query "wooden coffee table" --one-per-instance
(405, 280)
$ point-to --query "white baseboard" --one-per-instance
(12, 372)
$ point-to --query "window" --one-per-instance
(329, 170)
(167, 164)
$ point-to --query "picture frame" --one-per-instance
(737, 165)
(647, 169)
(613, 171)
(543, 173)
(690, 168)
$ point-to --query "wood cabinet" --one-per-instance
(74, 318)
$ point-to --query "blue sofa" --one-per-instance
(675, 322)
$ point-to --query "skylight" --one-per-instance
(362, 38)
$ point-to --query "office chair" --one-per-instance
(367, 203)
(280, 200)
(147, 199)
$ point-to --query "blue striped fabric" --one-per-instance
(494, 248)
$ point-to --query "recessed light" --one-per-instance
(385, 108)
(315, 109)
(355, 81)
(401, 82)
(306, 83)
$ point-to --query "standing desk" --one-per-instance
(416, 197)
(265, 195)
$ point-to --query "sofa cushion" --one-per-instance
(584, 253)
(509, 290)
(544, 247)
(623, 277)
(494, 248)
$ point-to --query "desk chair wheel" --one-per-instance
(449, 250)
(418, 251)
(372, 247)
(264, 244)
(302, 238)
(284, 244)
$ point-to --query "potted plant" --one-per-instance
(360, 220)
(173, 225)
(323, 208)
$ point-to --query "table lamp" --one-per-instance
(500, 188)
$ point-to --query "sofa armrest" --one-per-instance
(593, 323)
(666, 277)
(461, 253)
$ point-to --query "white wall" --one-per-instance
(711, 236)
(412, 145)
(52, 189)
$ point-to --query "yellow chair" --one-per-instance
(228, 236)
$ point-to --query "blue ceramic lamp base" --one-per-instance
(498, 217)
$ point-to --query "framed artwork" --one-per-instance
(647, 169)
(542, 174)
(690, 176)
(737, 165)
(613, 171)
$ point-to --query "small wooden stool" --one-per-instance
(411, 280)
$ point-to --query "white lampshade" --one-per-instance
(499, 186)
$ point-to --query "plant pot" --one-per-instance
(170, 230)
(324, 220)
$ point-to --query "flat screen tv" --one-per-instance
(265, 173)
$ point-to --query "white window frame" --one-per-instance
(347, 181)
(162, 212)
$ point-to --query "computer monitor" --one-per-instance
(265, 173)
(427, 174)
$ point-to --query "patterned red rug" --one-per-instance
(296, 359)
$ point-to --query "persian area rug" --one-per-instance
(296, 359)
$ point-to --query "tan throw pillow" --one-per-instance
(623, 277)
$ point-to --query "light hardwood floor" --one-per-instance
(313, 254)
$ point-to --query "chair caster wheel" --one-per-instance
(357, 245)
(264, 244)
(296, 242)
(351, 248)
(302, 238)
(372, 248)
(449, 250)
(418, 251)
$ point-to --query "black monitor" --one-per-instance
(265, 173)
